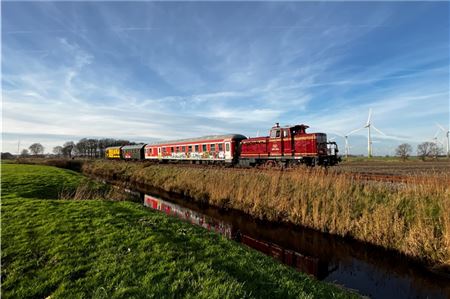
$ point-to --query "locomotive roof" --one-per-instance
(136, 146)
(203, 138)
(291, 126)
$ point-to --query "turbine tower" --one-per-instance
(368, 125)
(369, 139)
(347, 146)
(447, 132)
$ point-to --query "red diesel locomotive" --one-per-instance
(284, 146)
(289, 145)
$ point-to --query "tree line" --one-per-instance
(86, 147)
(424, 150)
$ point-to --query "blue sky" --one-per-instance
(152, 70)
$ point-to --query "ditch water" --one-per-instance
(369, 270)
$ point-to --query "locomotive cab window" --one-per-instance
(275, 134)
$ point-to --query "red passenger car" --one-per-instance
(288, 145)
(217, 148)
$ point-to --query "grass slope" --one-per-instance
(37, 181)
(103, 249)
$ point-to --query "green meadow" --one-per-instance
(65, 248)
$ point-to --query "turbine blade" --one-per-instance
(441, 127)
(378, 130)
(354, 131)
(437, 134)
(370, 116)
(338, 134)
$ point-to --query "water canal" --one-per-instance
(370, 270)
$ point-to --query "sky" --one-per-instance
(149, 71)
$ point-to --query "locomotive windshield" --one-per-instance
(299, 129)
(275, 133)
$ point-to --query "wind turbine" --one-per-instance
(347, 147)
(368, 125)
(447, 132)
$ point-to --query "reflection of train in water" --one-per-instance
(188, 215)
(307, 264)
(284, 146)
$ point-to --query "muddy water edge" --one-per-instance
(371, 270)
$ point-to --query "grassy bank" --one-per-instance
(413, 218)
(104, 249)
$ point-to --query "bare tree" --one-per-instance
(88, 147)
(36, 148)
(436, 150)
(68, 148)
(403, 151)
(58, 150)
(102, 144)
(428, 149)
(92, 147)
(82, 147)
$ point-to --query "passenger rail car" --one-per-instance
(218, 148)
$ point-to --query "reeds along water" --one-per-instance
(411, 217)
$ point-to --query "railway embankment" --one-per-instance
(411, 218)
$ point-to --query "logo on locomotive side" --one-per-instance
(274, 147)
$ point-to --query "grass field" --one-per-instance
(107, 249)
(412, 218)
